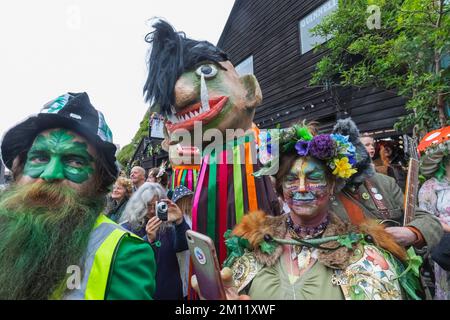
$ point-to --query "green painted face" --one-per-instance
(231, 99)
(57, 156)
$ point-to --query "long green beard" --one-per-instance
(44, 229)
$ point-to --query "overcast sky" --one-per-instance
(49, 47)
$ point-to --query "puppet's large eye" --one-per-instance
(208, 70)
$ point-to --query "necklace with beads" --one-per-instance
(305, 232)
(305, 255)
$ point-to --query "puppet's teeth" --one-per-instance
(192, 114)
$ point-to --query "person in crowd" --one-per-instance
(183, 197)
(391, 162)
(434, 196)
(310, 253)
(122, 190)
(54, 241)
(159, 175)
(166, 237)
(368, 143)
(378, 196)
(137, 176)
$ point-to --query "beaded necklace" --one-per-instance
(308, 232)
(305, 255)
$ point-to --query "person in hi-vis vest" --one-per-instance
(55, 242)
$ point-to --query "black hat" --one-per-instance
(180, 192)
(72, 111)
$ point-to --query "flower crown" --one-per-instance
(334, 149)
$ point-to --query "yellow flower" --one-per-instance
(343, 168)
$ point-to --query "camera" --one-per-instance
(161, 209)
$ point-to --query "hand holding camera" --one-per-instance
(166, 210)
(152, 228)
(161, 209)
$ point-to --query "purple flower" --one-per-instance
(323, 147)
(302, 148)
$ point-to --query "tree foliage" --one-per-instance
(405, 54)
(126, 153)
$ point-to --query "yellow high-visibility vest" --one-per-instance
(102, 246)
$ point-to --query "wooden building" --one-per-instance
(148, 154)
(269, 39)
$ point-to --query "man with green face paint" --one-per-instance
(56, 155)
(55, 243)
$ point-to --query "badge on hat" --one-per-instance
(378, 196)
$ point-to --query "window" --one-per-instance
(245, 67)
(307, 40)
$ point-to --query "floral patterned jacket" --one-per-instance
(434, 196)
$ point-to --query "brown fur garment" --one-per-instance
(382, 238)
(254, 226)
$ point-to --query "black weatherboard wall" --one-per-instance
(269, 30)
(143, 159)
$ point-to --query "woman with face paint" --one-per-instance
(310, 253)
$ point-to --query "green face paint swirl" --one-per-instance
(57, 156)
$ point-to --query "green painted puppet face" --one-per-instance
(306, 189)
(59, 154)
(232, 100)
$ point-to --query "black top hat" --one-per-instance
(72, 111)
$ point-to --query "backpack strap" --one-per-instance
(377, 198)
(354, 211)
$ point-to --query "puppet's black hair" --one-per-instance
(171, 54)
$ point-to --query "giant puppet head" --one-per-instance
(191, 81)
